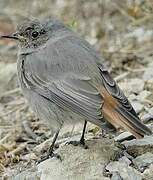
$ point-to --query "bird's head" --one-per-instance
(30, 34)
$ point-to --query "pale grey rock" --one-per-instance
(143, 161)
(134, 85)
(137, 147)
(132, 97)
(143, 95)
(29, 157)
(148, 173)
(147, 117)
(151, 111)
(150, 126)
(1, 107)
(31, 174)
(116, 176)
(124, 136)
(77, 163)
(138, 107)
(128, 155)
(148, 74)
(126, 172)
(138, 33)
(125, 160)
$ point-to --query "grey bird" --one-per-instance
(64, 80)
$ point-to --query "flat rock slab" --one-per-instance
(143, 161)
(146, 118)
(125, 160)
(138, 147)
(148, 74)
(124, 136)
(77, 163)
(148, 173)
(124, 171)
(31, 174)
(138, 107)
(116, 176)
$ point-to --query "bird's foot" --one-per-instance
(49, 155)
(78, 143)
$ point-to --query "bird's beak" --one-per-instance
(14, 36)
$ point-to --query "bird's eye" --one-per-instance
(35, 34)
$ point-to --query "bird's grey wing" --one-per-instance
(75, 94)
(108, 81)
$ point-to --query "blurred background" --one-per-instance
(123, 33)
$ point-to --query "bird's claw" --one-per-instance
(49, 155)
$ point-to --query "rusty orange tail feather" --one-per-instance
(118, 120)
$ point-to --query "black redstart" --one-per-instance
(63, 79)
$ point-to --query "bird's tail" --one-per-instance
(122, 119)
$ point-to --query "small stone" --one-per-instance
(126, 172)
(132, 97)
(151, 111)
(137, 147)
(124, 159)
(132, 85)
(124, 136)
(116, 176)
(148, 173)
(146, 118)
(29, 157)
(31, 174)
(143, 96)
(128, 155)
(150, 126)
(143, 161)
(138, 107)
(148, 74)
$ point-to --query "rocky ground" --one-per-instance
(123, 32)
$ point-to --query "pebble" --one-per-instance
(29, 157)
(132, 85)
(143, 161)
(116, 176)
(151, 111)
(148, 173)
(124, 136)
(126, 172)
(143, 95)
(146, 118)
(148, 74)
(138, 107)
(124, 159)
(137, 147)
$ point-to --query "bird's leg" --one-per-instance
(82, 140)
(50, 152)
